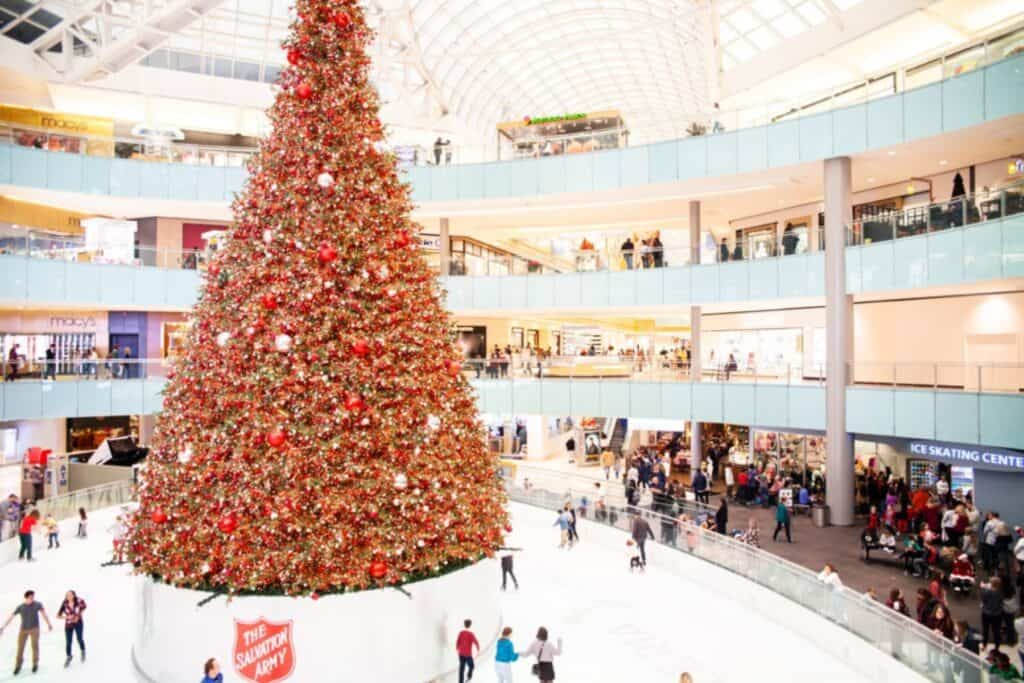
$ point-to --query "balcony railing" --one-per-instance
(924, 652)
(967, 209)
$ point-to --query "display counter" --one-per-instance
(590, 366)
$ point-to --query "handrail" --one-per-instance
(843, 606)
(65, 506)
(958, 211)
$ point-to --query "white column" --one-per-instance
(839, 343)
(147, 423)
(445, 246)
(695, 345)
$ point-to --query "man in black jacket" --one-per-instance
(641, 531)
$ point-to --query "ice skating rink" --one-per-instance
(617, 626)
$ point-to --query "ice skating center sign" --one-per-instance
(982, 457)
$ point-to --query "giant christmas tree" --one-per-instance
(318, 434)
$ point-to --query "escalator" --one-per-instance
(618, 435)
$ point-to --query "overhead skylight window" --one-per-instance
(763, 38)
(811, 13)
(789, 25)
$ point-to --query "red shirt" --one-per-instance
(27, 524)
(465, 642)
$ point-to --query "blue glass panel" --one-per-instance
(771, 406)
(28, 167)
(869, 411)
(83, 282)
(983, 257)
(579, 171)
(650, 287)
(733, 281)
(1004, 88)
(693, 158)
(945, 257)
(676, 400)
(469, 181)
(910, 262)
(586, 397)
(552, 174)
(707, 401)
(956, 416)
(459, 292)
(816, 137)
(182, 181)
(806, 407)
(419, 180)
(117, 285)
(914, 413)
(486, 292)
(540, 290)
(127, 396)
(210, 183)
(622, 287)
(234, 182)
(60, 399)
(567, 291)
(496, 179)
(723, 153)
(854, 281)
(764, 275)
(922, 112)
(150, 286)
(499, 397)
(662, 159)
(1001, 420)
(850, 130)
(885, 122)
(595, 290)
(526, 397)
(64, 171)
(876, 266)
(444, 184)
(1013, 246)
(153, 179)
(615, 399)
(182, 287)
(704, 283)
(816, 274)
(738, 402)
(676, 282)
(753, 149)
(513, 291)
(791, 275)
(94, 398)
(14, 277)
(556, 398)
(963, 101)
(523, 179)
(634, 166)
(607, 166)
(23, 400)
(46, 280)
(96, 175)
(784, 144)
(5, 163)
(645, 399)
(152, 399)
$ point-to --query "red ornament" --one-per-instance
(269, 301)
(402, 239)
(508, 528)
(454, 367)
(354, 402)
(315, 596)
(227, 523)
(158, 517)
(277, 438)
(378, 569)
(342, 20)
(304, 91)
(327, 253)
(360, 348)
(294, 57)
(213, 270)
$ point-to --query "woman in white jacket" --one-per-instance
(546, 653)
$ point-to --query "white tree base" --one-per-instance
(378, 635)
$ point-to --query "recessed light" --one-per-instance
(942, 162)
(871, 180)
(892, 153)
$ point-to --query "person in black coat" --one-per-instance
(723, 251)
(700, 487)
(722, 518)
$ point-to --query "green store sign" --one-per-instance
(531, 121)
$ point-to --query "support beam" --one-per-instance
(445, 247)
(839, 343)
(696, 446)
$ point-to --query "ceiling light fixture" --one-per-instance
(892, 153)
(942, 162)
(871, 180)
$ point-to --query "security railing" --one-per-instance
(923, 651)
(956, 212)
(972, 377)
(88, 364)
(66, 506)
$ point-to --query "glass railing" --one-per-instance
(966, 209)
(85, 367)
(631, 367)
(65, 506)
(921, 650)
(994, 378)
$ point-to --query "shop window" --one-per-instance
(222, 67)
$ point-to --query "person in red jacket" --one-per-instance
(25, 534)
(962, 575)
(464, 645)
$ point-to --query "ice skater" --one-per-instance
(211, 672)
(504, 655)
(52, 532)
(562, 522)
(506, 571)
(29, 612)
(464, 645)
(71, 612)
(83, 524)
(634, 555)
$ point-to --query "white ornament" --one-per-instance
(185, 455)
(433, 421)
(401, 481)
(283, 343)
(205, 568)
(268, 236)
(392, 293)
(222, 338)
(420, 543)
(325, 179)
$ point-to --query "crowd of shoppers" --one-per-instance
(87, 363)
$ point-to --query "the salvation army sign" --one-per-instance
(263, 651)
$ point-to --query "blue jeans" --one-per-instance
(76, 630)
(26, 546)
(465, 663)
